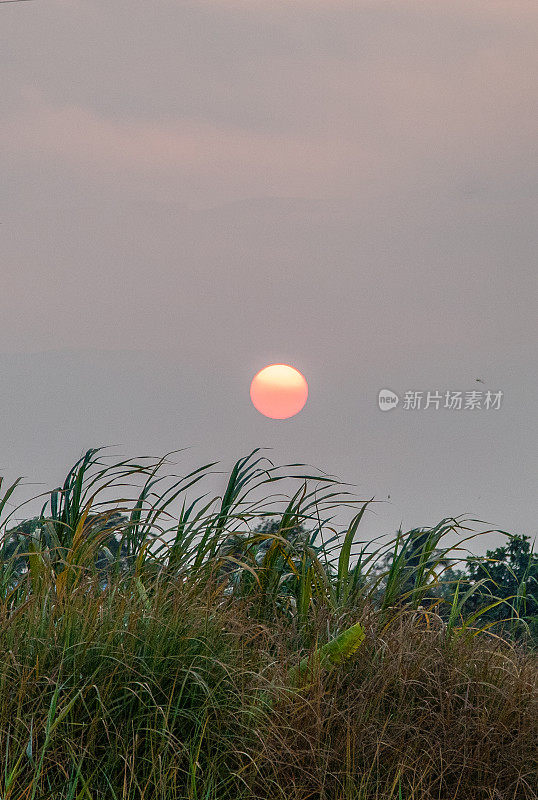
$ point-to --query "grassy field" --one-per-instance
(158, 643)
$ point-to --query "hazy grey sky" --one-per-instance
(192, 190)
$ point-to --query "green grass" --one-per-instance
(156, 642)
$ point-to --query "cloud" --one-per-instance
(388, 95)
(80, 135)
(83, 140)
(341, 127)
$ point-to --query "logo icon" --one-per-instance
(387, 400)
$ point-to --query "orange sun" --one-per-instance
(279, 391)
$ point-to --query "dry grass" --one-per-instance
(412, 716)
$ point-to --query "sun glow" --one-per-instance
(279, 391)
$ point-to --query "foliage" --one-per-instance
(157, 644)
(508, 573)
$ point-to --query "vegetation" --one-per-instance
(509, 573)
(161, 643)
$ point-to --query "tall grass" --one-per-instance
(156, 642)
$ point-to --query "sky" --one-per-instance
(194, 189)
